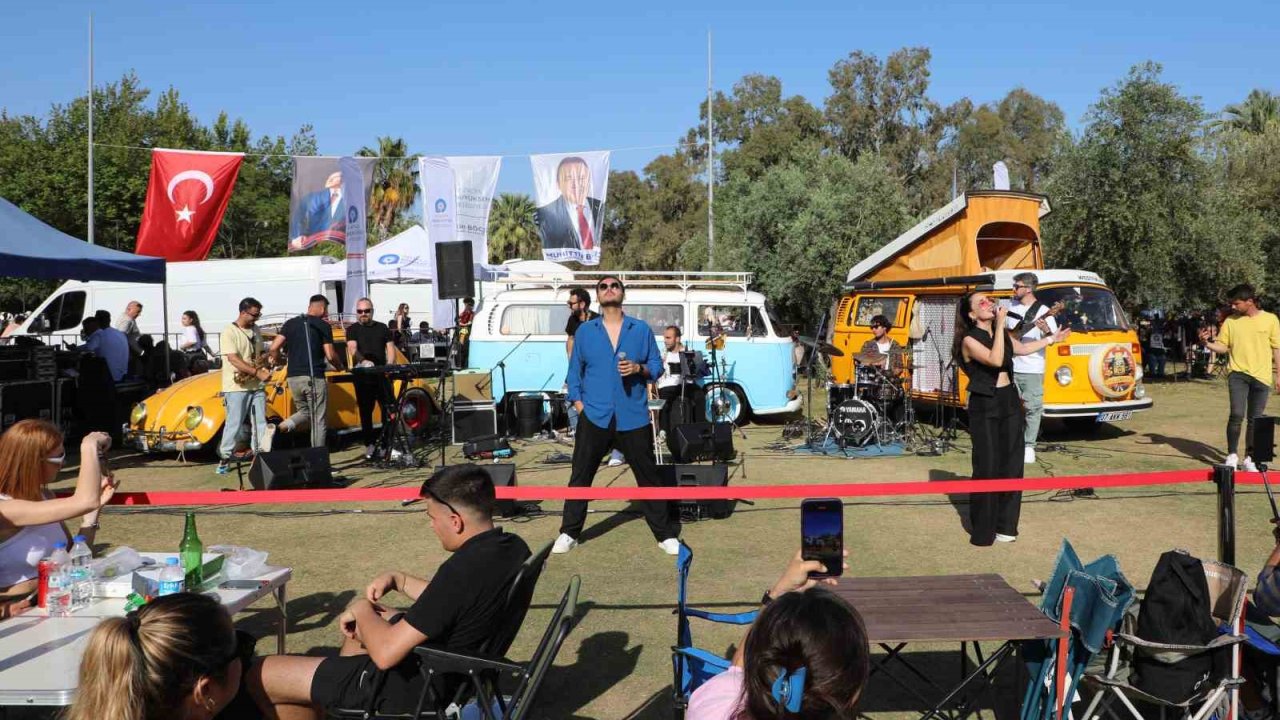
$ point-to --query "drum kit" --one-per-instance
(875, 409)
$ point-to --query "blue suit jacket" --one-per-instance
(593, 373)
(312, 215)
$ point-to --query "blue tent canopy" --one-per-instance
(29, 248)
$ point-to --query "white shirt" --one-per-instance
(192, 336)
(1032, 364)
(669, 379)
(884, 346)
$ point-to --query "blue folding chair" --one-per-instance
(693, 666)
(1100, 596)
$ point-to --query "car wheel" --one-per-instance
(726, 403)
(415, 410)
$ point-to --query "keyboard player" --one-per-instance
(369, 343)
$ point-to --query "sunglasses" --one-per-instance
(61, 459)
(364, 311)
(609, 286)
(443, 502)
(256, 315)
(1019, 287)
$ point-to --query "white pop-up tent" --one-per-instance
(403, 258)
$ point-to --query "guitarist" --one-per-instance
(1029, 320)
(242, 378)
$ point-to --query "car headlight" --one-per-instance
(1139, 391)
(138, 414)
(1063, 375)
(194, 417)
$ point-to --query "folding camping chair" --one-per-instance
(1226, 605)
(693, 666)
(1093, 598)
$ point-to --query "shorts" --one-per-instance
(347, 682)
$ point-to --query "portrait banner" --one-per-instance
(570, 191)
(475, 182)
(317, 205)
(356, 234)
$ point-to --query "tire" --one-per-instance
(735, 408)
(416, 408)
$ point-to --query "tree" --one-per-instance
(1258, 111)
(394, 185)
(513, 232)
(649, 220)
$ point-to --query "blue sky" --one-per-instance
(518, 78)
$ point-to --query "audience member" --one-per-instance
(456, 610)
(178, 656)
(31, 454)
(805, 656)
(128, 324)
(107, 343)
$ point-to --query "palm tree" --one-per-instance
(512, 231)
(1253, 115)
(394, 184)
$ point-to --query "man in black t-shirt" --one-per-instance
(309, 342)
(579, 312)
(369, 342)
(457, 610)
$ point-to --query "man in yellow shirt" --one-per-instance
(242, 395)
(1251, 339)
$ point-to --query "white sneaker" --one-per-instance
(368, 452)
(615, 461)
(1248, 465)
(1006, 538)
(670, 546)
(268, 436)
(1029, 455)
(1233, 460)
(564, 544)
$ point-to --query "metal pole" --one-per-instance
(1224, 476)
(164, 310)
(711, 164)
(90, 209)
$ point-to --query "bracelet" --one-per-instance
(91, 526)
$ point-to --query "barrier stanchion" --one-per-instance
(1224, 477)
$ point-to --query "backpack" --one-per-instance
(1176, 611)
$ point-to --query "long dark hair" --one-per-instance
(964, 324)
(195, 323)
(819, 631)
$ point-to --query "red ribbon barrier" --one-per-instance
(736, 492)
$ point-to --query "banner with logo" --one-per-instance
(439, 214)
(317, 204)
(475, 181)
(570, 190)
(357, 285)
(186, 196)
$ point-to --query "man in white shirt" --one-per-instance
(1027, 322)
(128, 324)
(677, 380)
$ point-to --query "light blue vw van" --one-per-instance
(518, 333)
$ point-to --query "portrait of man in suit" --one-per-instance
(573, 220)
(320, 216)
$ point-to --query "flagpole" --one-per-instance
(711, 160)
(90, 209)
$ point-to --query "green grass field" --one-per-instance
(616, 664)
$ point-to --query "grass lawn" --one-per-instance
(616, 664)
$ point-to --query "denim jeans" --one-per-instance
(1248, 401)
(1031, 388)
(241, 405)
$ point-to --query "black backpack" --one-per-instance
(1176, 611)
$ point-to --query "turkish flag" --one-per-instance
(186, 197)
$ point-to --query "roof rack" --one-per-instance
(681, 280)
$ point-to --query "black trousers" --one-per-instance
(371, 390)
(995, 425)
(591, 444)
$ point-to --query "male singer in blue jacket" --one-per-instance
(614, 358)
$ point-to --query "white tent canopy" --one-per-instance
(403, 258)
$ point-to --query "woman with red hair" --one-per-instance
(31, 520)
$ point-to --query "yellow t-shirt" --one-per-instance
(245, 343)
(1253, 342)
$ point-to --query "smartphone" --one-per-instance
(243, 584)
(822, 534)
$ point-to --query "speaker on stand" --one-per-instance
(291, 469)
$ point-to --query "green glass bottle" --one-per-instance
(191, 551)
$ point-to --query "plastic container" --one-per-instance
(59, 599)
(81, 574)
(171, 577)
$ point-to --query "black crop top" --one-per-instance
(982, 377)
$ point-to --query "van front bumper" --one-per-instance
(1066, 411)
(793, 405)
(151, 442)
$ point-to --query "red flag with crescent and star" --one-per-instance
(186, 197)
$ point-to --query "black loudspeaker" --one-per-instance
(503, 475)
(454, 270)
(704, 441)
(291, 469)
(1264, 439)
(699, 476)
(472, 421)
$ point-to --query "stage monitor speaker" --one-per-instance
(291, 469)
(454, 269)
(1264, 439)
(473, 420)
(699, 476)
(704, 441)
(503, 475)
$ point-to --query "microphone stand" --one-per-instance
(501, 367)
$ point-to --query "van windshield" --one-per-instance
(1086, 308)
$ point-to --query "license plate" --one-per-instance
(1115, 416)
(142, 440)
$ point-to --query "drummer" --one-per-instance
(881, 350)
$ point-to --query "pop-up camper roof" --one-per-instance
(976, 233)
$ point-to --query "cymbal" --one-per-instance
(828, 349)
(869, 358)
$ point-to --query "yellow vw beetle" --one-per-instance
(189, 415)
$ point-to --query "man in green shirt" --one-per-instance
(1251, 340)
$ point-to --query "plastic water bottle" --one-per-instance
(81, 574)
(59, 581)
(171, 577)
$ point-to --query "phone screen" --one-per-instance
(822, 534)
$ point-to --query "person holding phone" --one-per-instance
(984, 349)
(613, 359)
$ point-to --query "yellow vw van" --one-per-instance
(980, 241)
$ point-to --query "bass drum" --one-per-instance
(855, 422)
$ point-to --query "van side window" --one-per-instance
(870, 306)
(64, 313)
(733, 320)
(657, 316)
(534, 319)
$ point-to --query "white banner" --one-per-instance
(475, 182)
(353, 182)
(570, 190)
(439, 203)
